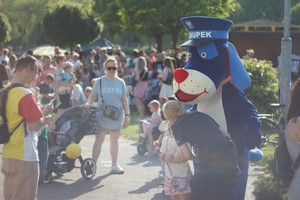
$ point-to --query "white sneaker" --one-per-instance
(143, 135)
(116, 169)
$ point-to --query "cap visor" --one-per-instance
(195, 43)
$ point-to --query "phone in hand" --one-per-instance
(51, 102)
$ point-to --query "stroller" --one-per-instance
(142, 147)
(69, 127)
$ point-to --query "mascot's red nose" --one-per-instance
(180, 75)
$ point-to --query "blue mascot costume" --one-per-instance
(213, 80)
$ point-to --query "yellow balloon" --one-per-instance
(73, 151)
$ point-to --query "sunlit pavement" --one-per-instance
(140, 180)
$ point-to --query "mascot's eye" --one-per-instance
(190, 55)
(207, 51)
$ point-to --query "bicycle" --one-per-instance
(272, 131)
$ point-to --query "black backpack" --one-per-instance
(4, 132)
(283, 167)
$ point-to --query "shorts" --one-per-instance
(20, 179)
(65, 101)
(63, 89)
(141, 89)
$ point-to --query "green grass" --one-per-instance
(268, 150)
(132, 130)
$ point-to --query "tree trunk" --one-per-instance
(175, 40)
(159, 42)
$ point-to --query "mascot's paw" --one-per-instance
(255, 155)
(251, 139)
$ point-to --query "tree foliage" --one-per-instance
(5, 29)
(25, 17)
(67, 23)
(261, 9)
(264, 86)
(265, 189)
(155, 18)
(295, 14)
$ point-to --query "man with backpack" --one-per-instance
(24, 119)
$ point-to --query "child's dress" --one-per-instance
(170, 148)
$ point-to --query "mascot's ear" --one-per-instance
(239, 75)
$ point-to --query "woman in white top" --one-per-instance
(293, 138)
(166, 77)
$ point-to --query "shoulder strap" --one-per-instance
(5, 93)
(166, 162)
(101, 93)
(14, 85)
(23, 120)
(141, 78)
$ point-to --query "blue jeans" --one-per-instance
(43, 157)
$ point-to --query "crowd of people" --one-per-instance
(74, 79)
(128, 83)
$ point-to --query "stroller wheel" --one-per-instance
(142, 148)
(47, 178)
(88, 168)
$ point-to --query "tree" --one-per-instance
(25, 17)
(155, 18)
(260, 9)
(67, 23)
(264, 87)
(295, 14)
(4, 29)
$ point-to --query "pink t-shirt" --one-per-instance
(46, 71)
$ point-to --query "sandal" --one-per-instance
(149, 153)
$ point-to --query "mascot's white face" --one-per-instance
(201, 77)
(196, 87)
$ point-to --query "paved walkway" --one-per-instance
(140, 180)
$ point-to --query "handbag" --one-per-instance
(110, 111)
(169, 79)
(178, 183)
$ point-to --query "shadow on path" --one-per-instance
(155, 183)
(148, 161)
(78, 188)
